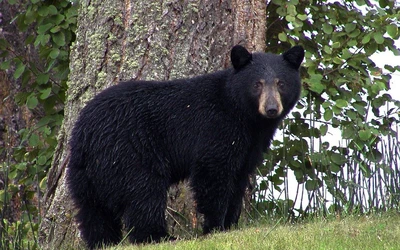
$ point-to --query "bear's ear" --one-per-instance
(294, 56)
(240, 57)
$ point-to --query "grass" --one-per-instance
(353, 232)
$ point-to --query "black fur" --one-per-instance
(135, 139)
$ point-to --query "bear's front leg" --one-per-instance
(212, 192)
(214, 208)
(236, 202)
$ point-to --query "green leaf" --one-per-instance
(20, 98)
(326, 105)
(30, 16)
(336, 45)
(5, 65)
(58, 38)
(375, 155)
(392, 30)
(328, 29)
(302, 17)
(351, 114)
(19, 70)
(44, 121)
(32, 101)
(54, 53)
(41, 160)
(55, 29)
(378, 102)
(340, 103)
(52, 10)
(46, 130)
(337, 60)
(364, 134)
(282, 37)
(315, 83)
(263, 185)
(294, 164)
(328, 114)
(366, 39)
(30, 39)
(360, 109)
(43, 28)
(317, 87)
(42, 78)
(334, 168)
(43, 183)
(339, 159)
(291, 10)
(34, 140)
(350, 27)
(346, 54)
(299, 175)
(323, 129)
(352, 43)
(4, 44)
(328, 49)
(337, 111)
(57, 19)
(42, 39)
(355, 33)
(290, 18)
(311, 185)
(332, 92)
(43, 11)
(50, 65)
(26, 77)
(348, 132)
(298, 23)
(13, 174)
(383, 3)
(378, 38)
(4, 196)
(45, 93)
(21, 166)
(377, 87)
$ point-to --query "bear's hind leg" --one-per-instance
(99, 226)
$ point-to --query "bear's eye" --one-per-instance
(281, 84)
(257, 85)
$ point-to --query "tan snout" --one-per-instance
(270, 104)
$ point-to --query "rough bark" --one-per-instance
(122, 40)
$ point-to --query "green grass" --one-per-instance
(354, 232)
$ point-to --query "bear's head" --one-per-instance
(268, 84)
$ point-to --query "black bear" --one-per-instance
(134, 140)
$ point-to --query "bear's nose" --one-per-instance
(272, 113)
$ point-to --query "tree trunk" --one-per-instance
(122, 40)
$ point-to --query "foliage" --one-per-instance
(50, 27)
(344, 92)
